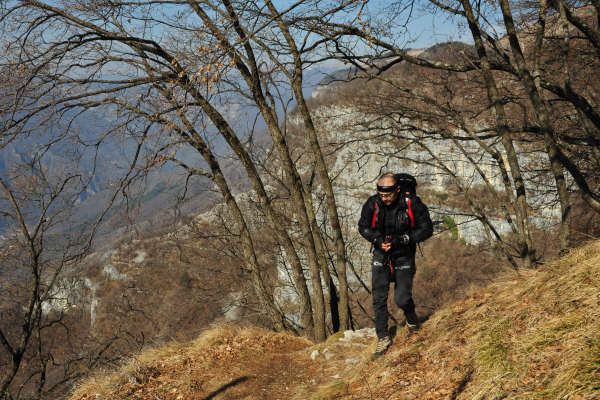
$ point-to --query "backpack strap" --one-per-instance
(374, 220)
(411, 215)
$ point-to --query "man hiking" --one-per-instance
(394, 221)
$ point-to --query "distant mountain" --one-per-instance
(101, 160)
(450, 52)
(447, 51)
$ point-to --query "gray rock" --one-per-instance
(314, 354)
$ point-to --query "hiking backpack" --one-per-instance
(407, 183)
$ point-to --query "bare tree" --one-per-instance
(278, 40)
(43, 243)
(116, 56)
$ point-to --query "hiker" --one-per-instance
(394, 221)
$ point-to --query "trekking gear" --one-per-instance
(381, 280)
(407, 221)
(408, 188)
(383, 344)
(412, 321)
(407, 183)
(406, 215)
(388, 239)
(409, 210)
(374, 220)
(404, 239)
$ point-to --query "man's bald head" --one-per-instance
(387, 188)
(387, 179)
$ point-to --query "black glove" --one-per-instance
(378, 242)
(401, 240)
(405, 239)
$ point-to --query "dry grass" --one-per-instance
(532, 336)
(233, 359)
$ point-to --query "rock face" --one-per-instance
(73, 293)
(114, 274)
(364, 149)
(360, 148)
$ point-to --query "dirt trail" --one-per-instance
(282, 367)
(254, 364)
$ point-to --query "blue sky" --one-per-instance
(428, 30)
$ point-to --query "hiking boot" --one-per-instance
(412, 321)
(383, 344)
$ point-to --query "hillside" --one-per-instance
(527, 336)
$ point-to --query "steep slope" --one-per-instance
(527, 336)
(532, 336)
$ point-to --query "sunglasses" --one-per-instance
(386, 192)
(386, 195)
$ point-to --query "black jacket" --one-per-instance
(394, 220)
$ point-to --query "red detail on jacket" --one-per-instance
(374, 216)
(410, 213)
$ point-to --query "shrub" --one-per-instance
(448, 269)
(450, 225)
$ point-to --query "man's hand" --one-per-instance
(386, 246)
(383, 244)
(387, 243)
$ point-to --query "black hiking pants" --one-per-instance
(381, 276)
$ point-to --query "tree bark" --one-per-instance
(322, 252)
(251, 74)
(526, 246)
(555, 166)
(340, 247)
(265, 298)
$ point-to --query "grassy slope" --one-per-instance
(532, 336)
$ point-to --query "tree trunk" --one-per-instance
(276, 222)
(554, 151)
(340, 247)
(15, 364)
(322, 252)
(294, 183)
(556, 168)
(265, 298)
(248, 68)
(525, 243)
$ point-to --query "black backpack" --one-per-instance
(407, 183)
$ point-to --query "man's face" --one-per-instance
(387, 197)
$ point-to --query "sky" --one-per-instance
(424, 25)
(428, 30)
